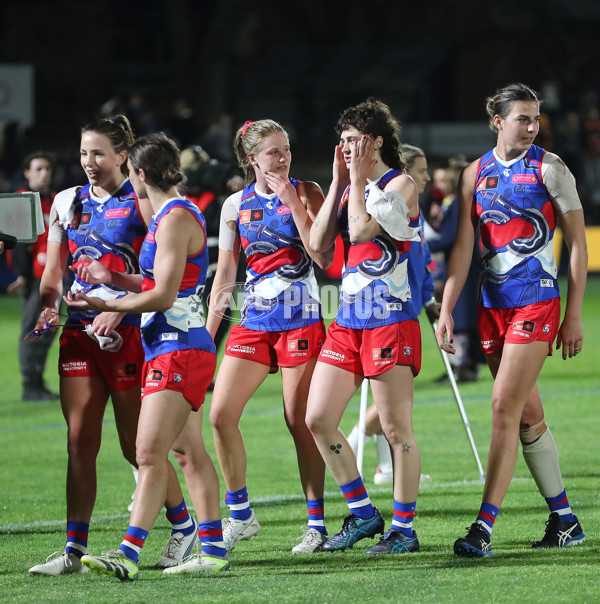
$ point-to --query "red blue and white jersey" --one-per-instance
(375, 287)
(516, 220)
(110, 230)
(183, 325)
(281, 291)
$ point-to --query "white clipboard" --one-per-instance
(21, 216)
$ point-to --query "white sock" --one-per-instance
(352, 439)
(541, 457)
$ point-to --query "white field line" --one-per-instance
(23, 526)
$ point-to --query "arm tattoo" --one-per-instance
(406, 448)
(353, 218)
(317, 222)
(336, 448)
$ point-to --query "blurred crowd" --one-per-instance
(571, 132)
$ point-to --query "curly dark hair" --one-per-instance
(375, 117)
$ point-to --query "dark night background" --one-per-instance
(300, 62)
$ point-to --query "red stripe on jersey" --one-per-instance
(263, 264)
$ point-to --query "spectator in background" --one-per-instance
(444, 218)
(591, 134)
(28, 265)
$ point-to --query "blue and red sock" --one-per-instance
(133, 542)
(316, 514)
(211, 537)
(239, 506)
(560, 505)
(357, 498)
(180, 519)
(487, 517)
(77, 538)
(404, 514)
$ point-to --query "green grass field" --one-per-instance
(32, 505)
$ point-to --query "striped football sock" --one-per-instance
(404, 514)
(357, 498)
(316, 514)
(77, 538)
(133, 542)
(487, 516)
(239, 506)
(211, 537)
(560, 505)
(180, 519)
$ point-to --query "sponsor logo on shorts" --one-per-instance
(407, 351)
(331, 354)
(169, 336)
(296, 345)
(283, 210)
(74, 366)
(394, 306)
(487, 344)
(120, 213)
(124, 369)
(154, 375)
(527, 326)
(382, 353)
(546, 283)
(251, 215)
(177, 378)
(529, 179)
(546, 329)
(241, 348)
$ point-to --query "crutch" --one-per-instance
(459, 402)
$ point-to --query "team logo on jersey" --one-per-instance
(154, 375)
(297, 345)
(86, 218)
(283, 210)
(527, 326)
(149, 237)
(382, 353)
(120, 213)
(251, 215)
(528, 179)
(489, 182)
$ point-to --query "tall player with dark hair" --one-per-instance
(376, 335)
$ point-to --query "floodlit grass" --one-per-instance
(32, 507)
